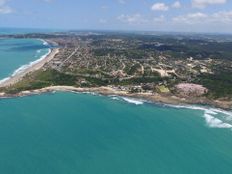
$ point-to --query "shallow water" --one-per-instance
(67, 133)
(82, 133)
(15, 53)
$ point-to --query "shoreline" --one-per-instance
(28, 68)
(168, 99)
(109, 91)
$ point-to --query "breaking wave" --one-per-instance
(133, 101)
(215, 122)
(38, 51)
(128, 100)
(24, 67)
(3, 80)
(45, 43)
(215, 118)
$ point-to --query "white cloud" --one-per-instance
(132, 19)
(103, 21)
(104, 7)
(191, 18)
(205, 3)
(4, 8)
(159, 19)
(176, 4)
(159, 7)
(2, 2)
(138, 19)
(220, 21)
(218, 18)
(122, 1)
(222, 16)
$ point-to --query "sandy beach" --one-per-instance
(36, 66)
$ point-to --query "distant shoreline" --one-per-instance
(33, 66)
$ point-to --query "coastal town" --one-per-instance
(115, 87)
(163, 68)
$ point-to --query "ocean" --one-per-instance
(18, 54)
(76, 133)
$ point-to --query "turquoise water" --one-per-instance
(15, 53)
(67, 133)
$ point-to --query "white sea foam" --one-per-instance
(211, 116)
(228, 113)
(209, 111)
(187, 107)
(115, 98)
(133, 101)
(3, 80)
(24, 67)
(92, 93)
(215, 122)
(45, 43)
(126, 99)
(215, 118)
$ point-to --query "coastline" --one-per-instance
(104, 90)
(33, 66)
(109, 91)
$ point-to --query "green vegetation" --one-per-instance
(137, 62)
(219, 84)
(162, 89)
(134, 69)
(139, 80)
(41, 79)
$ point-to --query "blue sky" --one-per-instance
(152, 15)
